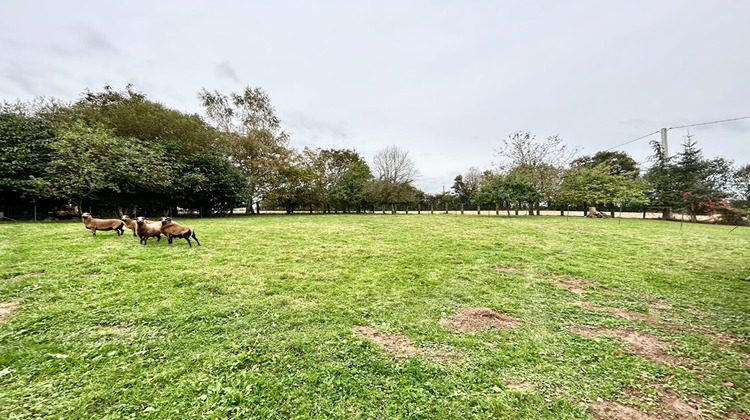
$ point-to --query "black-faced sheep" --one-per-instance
(129, 223)
(146, 229)
(102, 224)
(174, 230)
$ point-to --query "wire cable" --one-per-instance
(634, 140)
(711, 122)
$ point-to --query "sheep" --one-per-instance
(130, 223)
(102, 224)
(174, 230)
(146, 230)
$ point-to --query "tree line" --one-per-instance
(120, 152)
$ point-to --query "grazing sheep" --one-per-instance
(130, 223)
(102, 224)
(174, 230)
(146, 230)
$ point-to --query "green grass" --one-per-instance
(258, 321)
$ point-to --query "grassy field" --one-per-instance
(268, 319)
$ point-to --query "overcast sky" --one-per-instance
(447, 81)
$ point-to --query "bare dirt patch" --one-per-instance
(660, 304)
(23, 276)
(394, 343)
(6, 308)
(671, 402)
(724, 340)
(643, 344)
(402, 348)
(668, 406)
(472, 319)
(572, 283)
(509, 270)
(614, 410)
(524, 385)
(622, 313)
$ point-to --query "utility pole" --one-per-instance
(664, 145)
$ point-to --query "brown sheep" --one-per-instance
(129, 223)
(146, 230)
(102, 224)
(174, 230)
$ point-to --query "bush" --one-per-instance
(733, 216)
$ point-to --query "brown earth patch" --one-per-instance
(6, 308)
(524, 385)
(397, 344)
(660, 304)
(572, 283)
(472, 319)
(668, 406)
(23, 276)
(671, 402)
(611, 410)
(643, 344)
(402, 348)
(509, 270)
(622, 313)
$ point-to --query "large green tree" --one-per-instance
(25, 153)
(349, 190)
(252, 131)
(587, 186)
(541, 162)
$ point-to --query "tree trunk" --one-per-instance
(666, 214)
(393, 208)
(462, 208)
(531, 208)
(497, 209)
(537, 209)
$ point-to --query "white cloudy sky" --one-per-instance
(445, 80)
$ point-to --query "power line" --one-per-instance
(634, 140)
(711, 122)
(681, 126)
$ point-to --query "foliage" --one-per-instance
(541, 162)
(254, 139)
(394, 174)
(25, 153)
(619, 163)
(584, 185)
(327, 167)
(349, 189)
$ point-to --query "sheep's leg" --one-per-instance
(158, 238)
(196, 239)
(188, 239)
(93, 231)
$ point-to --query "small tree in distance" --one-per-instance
(394, 174)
